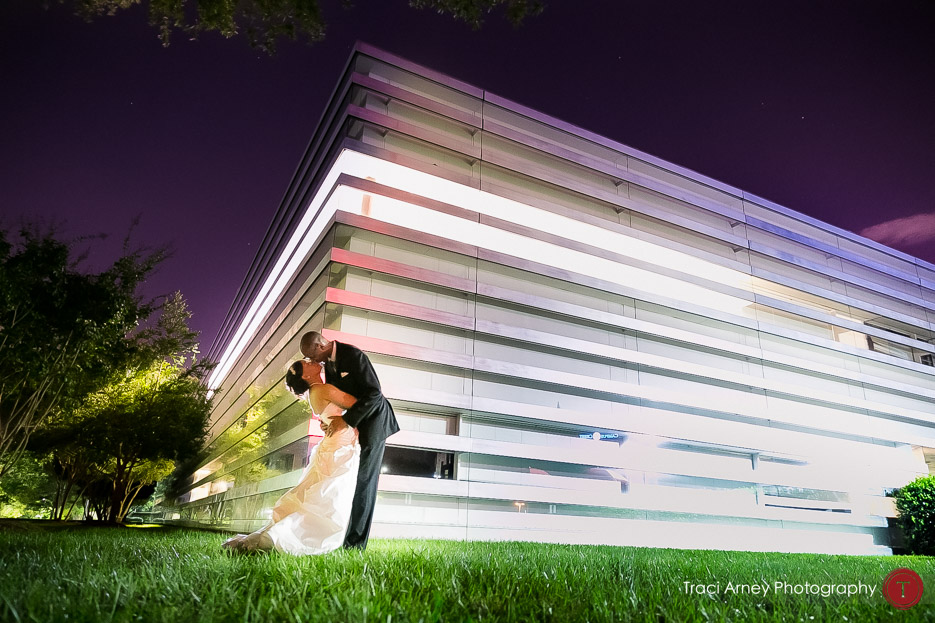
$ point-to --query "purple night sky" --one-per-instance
(825, 107)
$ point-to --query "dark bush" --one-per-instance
(916, 505)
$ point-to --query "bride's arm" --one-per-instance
(333, 394)
(325, 393)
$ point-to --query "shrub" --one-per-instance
(916, 505)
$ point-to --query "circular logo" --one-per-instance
(903, 588)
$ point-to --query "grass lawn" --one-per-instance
(162, 574)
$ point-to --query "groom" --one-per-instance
(349, 369)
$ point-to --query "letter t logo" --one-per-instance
(902, 587)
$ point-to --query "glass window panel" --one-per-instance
(681, 182)
(546, 287)
(669, 317)
(786, 320)
(404, 252)
(506, 183)
(417, 84)
(679, 208)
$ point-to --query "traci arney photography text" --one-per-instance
(779, 587)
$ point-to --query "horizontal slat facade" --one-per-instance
(581, 341)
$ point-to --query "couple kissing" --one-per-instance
(332, 505)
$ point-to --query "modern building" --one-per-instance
(583, 343)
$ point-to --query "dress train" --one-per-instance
(312, 517)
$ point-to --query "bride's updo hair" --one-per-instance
(294, 381)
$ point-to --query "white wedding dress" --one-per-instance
(311, 518)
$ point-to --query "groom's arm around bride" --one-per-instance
(350, 370)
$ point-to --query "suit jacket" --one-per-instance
(372, 414)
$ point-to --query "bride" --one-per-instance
(311, 518)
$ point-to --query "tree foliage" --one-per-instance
(916, 505)
(63, 331)
(140, 426)
(264, 21)
(474, 11)
(130, 433)
(28, 490)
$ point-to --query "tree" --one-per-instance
(28, 490)
(916, 506)
(143, 424)
(132, 432)
(474, 11)
(63, 331)
(264, 21)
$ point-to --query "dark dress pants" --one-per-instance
(365, 496)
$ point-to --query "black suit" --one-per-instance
(374, 419)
